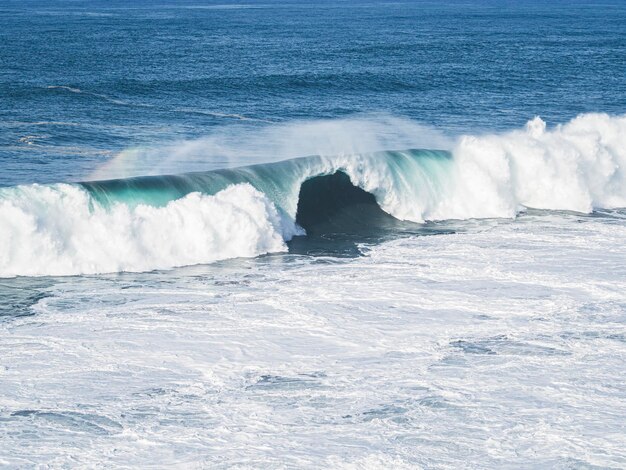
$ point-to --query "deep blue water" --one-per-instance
(83, 80)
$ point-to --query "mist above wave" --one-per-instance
(243, 144)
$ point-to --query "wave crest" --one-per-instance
(578, 166)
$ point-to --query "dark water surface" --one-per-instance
(83, 80)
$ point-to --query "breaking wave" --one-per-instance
(157, 222)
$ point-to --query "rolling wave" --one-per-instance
(157, 222)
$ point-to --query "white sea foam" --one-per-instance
(60, 230)
(578, 166)
(498, 348)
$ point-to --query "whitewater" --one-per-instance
(158, 222)
(502, 344)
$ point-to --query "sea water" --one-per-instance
(304, 235)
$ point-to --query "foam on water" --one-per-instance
(501, 346)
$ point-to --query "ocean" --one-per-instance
(330, 234)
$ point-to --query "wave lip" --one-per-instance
(406, 183)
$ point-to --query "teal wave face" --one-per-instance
(406, 174)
